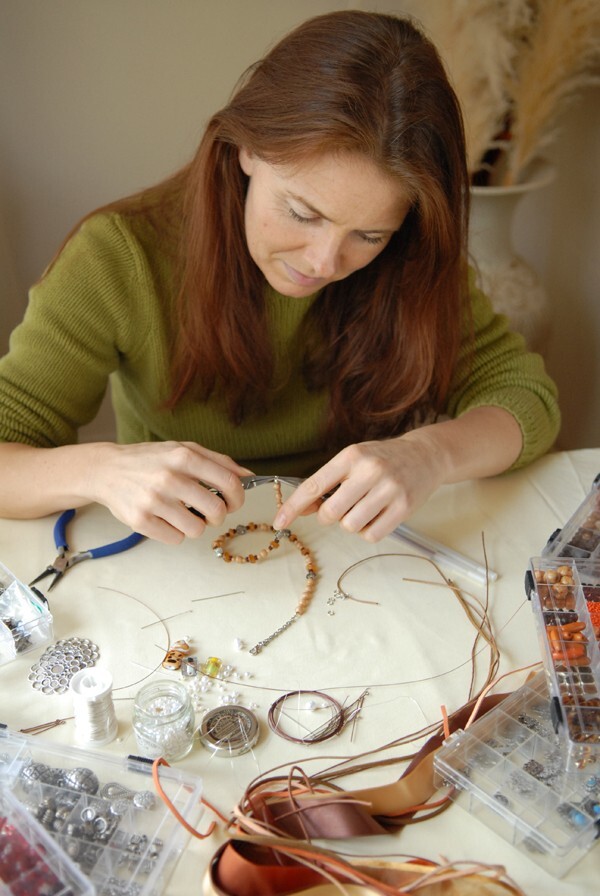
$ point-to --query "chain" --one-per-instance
(258, 647)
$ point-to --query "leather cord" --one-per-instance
(255, 866)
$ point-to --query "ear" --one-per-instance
(247, 160)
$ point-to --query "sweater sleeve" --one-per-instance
(77, 326)
(496, 369)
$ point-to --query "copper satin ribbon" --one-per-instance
(253, 872)
(242, 868)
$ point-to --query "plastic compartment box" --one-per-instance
(561, 591)
(580, 536)
(25, 620)
(509, 769)
(102, 811)
(30, 860)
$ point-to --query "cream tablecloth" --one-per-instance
(411, 649)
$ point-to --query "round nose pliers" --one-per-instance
(65, 560)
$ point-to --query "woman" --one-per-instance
(295, 301)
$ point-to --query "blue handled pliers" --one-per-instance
(65, 561)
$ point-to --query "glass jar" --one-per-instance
(163, 720)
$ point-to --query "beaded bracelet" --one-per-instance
(279, 535)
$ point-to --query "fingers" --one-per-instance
(170, 490)
(368, 489)
(307, 498)
(210, 472)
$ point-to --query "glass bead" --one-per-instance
(212, 666)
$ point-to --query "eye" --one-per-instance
(303, 220)
(372, 240)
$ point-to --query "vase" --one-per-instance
(512, 285)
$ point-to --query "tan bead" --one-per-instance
(310, 565)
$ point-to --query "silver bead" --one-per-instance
(144, 799)
(83, 780)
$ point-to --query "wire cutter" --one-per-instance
(65, 561)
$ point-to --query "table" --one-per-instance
(411, 649)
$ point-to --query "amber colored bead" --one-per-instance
(309, 563)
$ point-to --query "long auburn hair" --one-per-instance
(384, 341)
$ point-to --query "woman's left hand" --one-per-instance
(372, 487)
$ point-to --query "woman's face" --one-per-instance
(311, 224)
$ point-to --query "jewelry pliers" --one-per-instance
(65, 561)
(249, 482)
(252, 481)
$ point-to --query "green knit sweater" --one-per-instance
(105, 312)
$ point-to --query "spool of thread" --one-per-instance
(95, 719)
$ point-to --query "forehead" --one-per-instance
(346, 188)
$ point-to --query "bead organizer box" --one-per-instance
(30, 860)
(565, 598)
(25, 621)
(102, 811)
(580, 536)
(509, 770)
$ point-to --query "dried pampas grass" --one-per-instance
(515, 65)
(478, 41)
(561, 59)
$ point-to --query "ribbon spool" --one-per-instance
(95, 719)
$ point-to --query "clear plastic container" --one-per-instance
(25, 620)
(561, 591)
(580, 536)
(102, 811)
(510, 770)
(30, 860)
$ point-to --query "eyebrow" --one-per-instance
(315, 211)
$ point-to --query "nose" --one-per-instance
(323, 254)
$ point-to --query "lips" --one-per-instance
(301, 279)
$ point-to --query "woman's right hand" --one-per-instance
(152, 486)
(148, 486)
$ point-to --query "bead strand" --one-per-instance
(219, 547)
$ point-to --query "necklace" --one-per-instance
(279, 535)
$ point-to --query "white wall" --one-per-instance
(101, 97)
